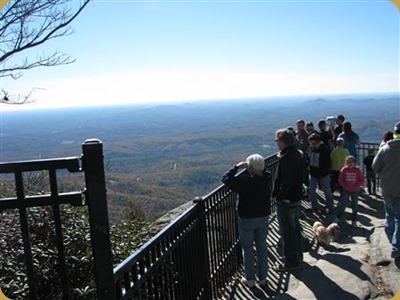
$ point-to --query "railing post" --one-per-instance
(239, 253)
(205, 272)
(93, 166)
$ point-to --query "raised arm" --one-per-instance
(230, 179)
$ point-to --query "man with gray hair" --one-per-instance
(288, 192)
(253, 207)
(387, 164)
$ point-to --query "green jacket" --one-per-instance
(338, 157)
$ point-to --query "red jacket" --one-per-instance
(351, 179)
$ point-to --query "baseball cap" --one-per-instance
(397, 127)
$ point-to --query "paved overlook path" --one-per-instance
(357, 265)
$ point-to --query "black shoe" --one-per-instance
(270, 292)
(286, 268)
(397, 262)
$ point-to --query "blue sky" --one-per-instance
(158, 51)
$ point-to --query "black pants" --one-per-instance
(371, 182)
(334, 181)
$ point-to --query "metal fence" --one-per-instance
(94, 196)
(362, 152)
(197, 254)
(192, 258)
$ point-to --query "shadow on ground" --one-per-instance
(312, 277)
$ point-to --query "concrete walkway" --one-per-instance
(357, 265)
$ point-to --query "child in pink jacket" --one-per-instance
(351, 179)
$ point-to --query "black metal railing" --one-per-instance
(192, 258)
(95, 196)
(204, 238)
(168, 266)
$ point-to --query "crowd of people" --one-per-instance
(325, 158)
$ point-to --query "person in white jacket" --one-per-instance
(387, 164)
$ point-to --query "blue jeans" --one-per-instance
(371, 181)
(392, 226)
(344, 200)
(289, 224)
(324, 184)
(254, 230)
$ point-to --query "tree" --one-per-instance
(27, 24)
(126, 236)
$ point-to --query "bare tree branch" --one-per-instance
(27, 24)
(54, 59)
(17, 99)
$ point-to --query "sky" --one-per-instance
(171, 51)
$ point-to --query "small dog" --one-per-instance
(325, 235)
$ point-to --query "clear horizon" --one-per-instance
(167, 51)
(329, 97)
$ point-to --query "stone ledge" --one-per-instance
(380, 256)
(166, 219)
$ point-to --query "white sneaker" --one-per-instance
(249, 283)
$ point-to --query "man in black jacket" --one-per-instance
(326, 136)
(320, 166)
(336, 131)
(254, 207)
(288, 193)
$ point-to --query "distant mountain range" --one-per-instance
(159, 156)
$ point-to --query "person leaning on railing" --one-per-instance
(288, 192)
(254, 207)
